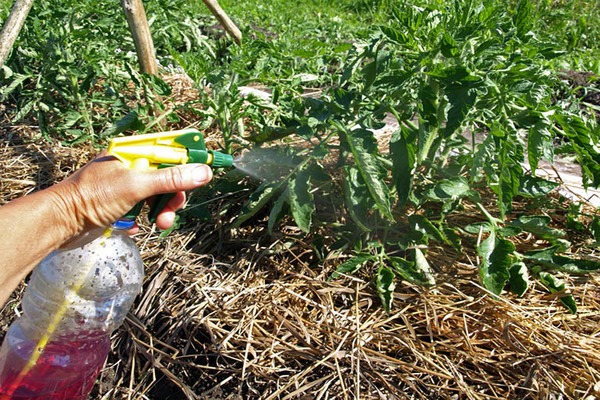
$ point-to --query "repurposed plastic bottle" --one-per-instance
(75, 299)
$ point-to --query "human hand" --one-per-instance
(104, 190)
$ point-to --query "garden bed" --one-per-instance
(244, 314)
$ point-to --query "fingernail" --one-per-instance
(201, 174)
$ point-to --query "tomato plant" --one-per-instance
(468, 85)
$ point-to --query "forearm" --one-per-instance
(35, 225)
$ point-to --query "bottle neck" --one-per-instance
(123, 224)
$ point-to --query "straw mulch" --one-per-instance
(241, 314)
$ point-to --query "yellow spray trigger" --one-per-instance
(163, 149)
(156, 148)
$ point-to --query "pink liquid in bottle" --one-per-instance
(66, 369)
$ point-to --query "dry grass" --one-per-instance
(243, 314)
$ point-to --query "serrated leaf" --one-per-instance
(370, 73)
(161, 87)
(519, 278)
(533, 186)
(422, 266)
(428, 104)
(453, 237)
(423, 225)
(509, 177)
(554, 285)
(539, 145)
(277, 210)
(448, 189)
(17, 80)
(538, 225)
(129, 121)
(448, 46)
(368, 167)
(451, 75)
(412, 273)
(6, 72)
(385, 286)
(358, 200)
(352, 265)
(523, 18)
(555, 262)
(477, 227)
(395, 35)
(496, 257)
(585, 143)
(402, 151)
(302, 203)
(257, 200)
(483, 157)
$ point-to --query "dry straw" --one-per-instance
(242, 314)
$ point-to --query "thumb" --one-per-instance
(175, 179)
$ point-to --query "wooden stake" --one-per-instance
(138, 25)
(144, 46)
(12, 27)
(224, 20)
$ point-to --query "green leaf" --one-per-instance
(369, 166)
(358, 200)
(428, 104)
(277, 210)
(483, 157)
(538, 225)
(176, 224)
(451, 75)
(448, 46)
(584, 141)
(552, 261)
(129, 121)
(161, 87)
(496, 258)
(409, 271)
(385, 286)
(519, 278)
(453, 237)
(16, 81)
(423, 225)
(258, 199)
(510, 175)
(301, 200)
(573, 223)
(352, 265)
(422, 266)
(449, 189)
(532, 186)
(555, 285)
(539, 144)
(395, 35)
(595, 228)
(402, 151)
(523, 19)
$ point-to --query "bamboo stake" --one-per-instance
(224, 20)
(12, 27)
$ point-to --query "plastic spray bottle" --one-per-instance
(79, 295)
(75, 299)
